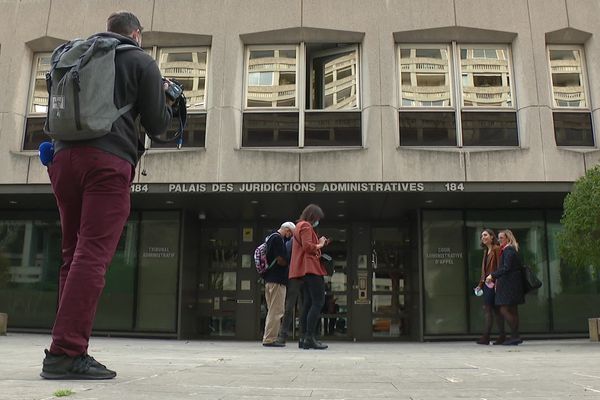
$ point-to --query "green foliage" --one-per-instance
(63, 392)
(579, 242)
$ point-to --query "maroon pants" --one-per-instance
(92, 192)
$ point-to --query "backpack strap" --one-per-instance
(124, 47)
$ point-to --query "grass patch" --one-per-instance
(63, 392)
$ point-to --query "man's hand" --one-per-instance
(165, 87)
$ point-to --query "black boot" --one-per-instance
(311, 343)
(300, 342)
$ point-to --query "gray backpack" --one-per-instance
(81, 85)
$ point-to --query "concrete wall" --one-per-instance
(28, 26)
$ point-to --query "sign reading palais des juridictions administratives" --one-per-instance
(306, 187)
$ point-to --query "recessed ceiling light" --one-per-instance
(428, 201)
(514, 201)
(341, 215)
(13, 202)
(341, 201)
(263, 215)
(254, 201)
(169, 202)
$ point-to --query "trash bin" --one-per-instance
(594, 324)
(3, 323)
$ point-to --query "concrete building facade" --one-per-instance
(414, 124)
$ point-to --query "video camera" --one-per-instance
(174, 89)
(175, 93)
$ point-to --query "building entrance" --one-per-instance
(390, 269)
(227, 284)
(370, 296)
(336, 313)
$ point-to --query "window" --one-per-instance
(29, 256)
(289, 103)
(572, 114)
(460, 100)
(189, 67)
(37, 104)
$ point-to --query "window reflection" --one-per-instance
(334, 321)
(218, 325)
(39, 97)
(116, 305)
(390, 262)
(425, 77)
(444, 272)
(573, 128)
(34, 133)
(38, 104)
(388, 327)
(485, 77)
(223, 280)
(271, 80)
(188, 67)
(270, 129)
(223, 248)
(490, 128)
(332, 129)
(29, 266)
(567, 78)
(335, 81)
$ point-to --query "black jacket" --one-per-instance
(276, 248)
(137, 81)
(509, 278)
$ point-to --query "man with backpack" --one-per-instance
(91, 173)
(276, 278)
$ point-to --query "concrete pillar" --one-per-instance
(3, 323)
(594, 324)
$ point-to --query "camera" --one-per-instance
(174, 89)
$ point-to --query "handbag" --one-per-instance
(327, 262)
(530, 281)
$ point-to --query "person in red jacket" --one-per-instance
(305, 264)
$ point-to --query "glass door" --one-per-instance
(335, 314)
(218, 276)
(390, 267)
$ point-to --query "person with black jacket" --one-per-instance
(509, 284)
(276, 279)
(91, 181)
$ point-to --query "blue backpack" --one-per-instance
(260, 256)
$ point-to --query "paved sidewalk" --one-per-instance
(152, 369)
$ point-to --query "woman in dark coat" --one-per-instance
(489, 264)
(509, 284)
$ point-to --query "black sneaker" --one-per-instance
(80, 367)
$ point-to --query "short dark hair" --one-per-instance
(123, 23)
(311, 213)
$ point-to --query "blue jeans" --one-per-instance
(314, 299)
